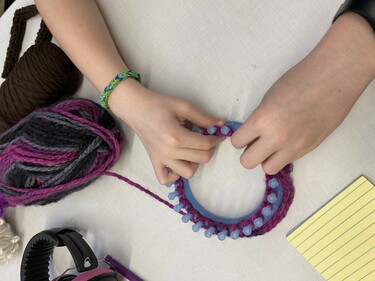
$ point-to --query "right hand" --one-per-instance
(159, 121)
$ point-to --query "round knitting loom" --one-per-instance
(277, 199)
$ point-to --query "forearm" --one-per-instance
(82, 33)
(346, 54)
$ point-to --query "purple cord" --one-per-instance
(118, 267)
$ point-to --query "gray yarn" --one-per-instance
(58, 179)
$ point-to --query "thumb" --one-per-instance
(198, 118)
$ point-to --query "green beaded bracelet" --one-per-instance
(114, 82)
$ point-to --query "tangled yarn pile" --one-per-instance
(51, 153)
(41, 77)
(55, 151)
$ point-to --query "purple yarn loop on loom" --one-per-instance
(55, 151)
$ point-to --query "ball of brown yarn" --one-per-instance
(42, 76)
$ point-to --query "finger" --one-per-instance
(256, 154)
(273, 164)
(195, 116)
(194, 155)
(183, 168)
(163, 174)
(195, 140)
(244, 135)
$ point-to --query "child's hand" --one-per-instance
(309, 101)
(159, 122)
(294, 117)
(299, 111)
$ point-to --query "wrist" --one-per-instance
(344, 58)
(126, 98)
(358, 36)
(114, 83)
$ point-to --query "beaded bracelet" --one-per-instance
(114, 82)
(275, 204)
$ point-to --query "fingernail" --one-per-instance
(220, 122)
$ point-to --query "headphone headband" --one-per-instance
(35, 260)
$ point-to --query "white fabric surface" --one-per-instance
(222, 56)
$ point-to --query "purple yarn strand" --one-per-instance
(118, 267)
(3, 204)
(141, 188)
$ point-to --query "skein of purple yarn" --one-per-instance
(41, 163)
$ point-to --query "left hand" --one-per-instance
(294, 117)
(311, 100)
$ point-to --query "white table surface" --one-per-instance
(222, 56)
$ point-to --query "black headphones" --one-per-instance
(35, 260)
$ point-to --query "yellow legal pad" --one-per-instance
(339, 238)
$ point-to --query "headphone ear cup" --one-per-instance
(108, 277)
(100, 273)
(68, 277)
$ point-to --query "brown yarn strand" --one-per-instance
(44, 35)
(16, 37)
(42, 76)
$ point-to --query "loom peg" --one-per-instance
(208, 233)
(247, 230)
(225, 130)
(211, 130)
(235, 234)
(271, 198)
(273, 183)
(178, 207)
(266, 211)
(222, 234)
(173, 195)
(258, 222)
(186, 218)
(197, 226)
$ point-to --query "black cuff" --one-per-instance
(364, 8)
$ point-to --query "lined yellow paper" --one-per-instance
(339, 238)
